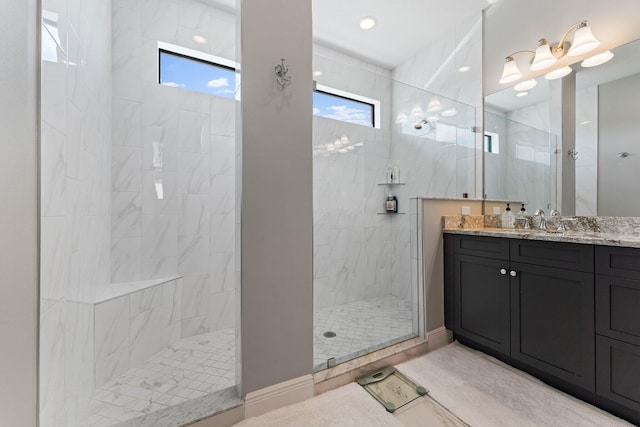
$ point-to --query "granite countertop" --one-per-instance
(593, 231)
(591, 238)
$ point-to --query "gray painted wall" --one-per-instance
(19, 212)
(618, 130)
(277, 223)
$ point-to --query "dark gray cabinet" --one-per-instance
(618, 325)
(567, 313)
(530, 300)
(552, 322)
(482, 310)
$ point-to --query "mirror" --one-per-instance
(523, 149)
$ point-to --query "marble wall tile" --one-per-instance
(126, 258)
(194, 215)
(127, 124)
(194, 175)
(191, 326)
(195, 296)
(159, 236)
(112, 339)
(193, 254)
(222, 274)
(145, 324)
(125, 79)
(54, 253)
(222, 116)
(126, 214)
(79, 361)
(222, 310)
(223, 29)
(125, 168)
(53, 171)
(52, 366)
(193, 131)
(222, 190)
(222, 233)
(159, 19)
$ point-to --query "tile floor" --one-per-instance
(360, 327)
(205, 363)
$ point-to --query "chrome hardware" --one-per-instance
(555, 212)
(543, 222)
(512, 273)
(281, 70)
(503, 271)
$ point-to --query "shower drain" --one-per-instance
(329, 334)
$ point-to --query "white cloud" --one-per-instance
(316, 111)
(227, 91)
(349, 115)
(221, 82)
(173, 84)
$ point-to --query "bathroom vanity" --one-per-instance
(563, 307)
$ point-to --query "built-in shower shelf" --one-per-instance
(391, 213)
(392, 183)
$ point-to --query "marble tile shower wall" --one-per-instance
(173, 173)
(353, 245)
(524, 168)
(75, 198)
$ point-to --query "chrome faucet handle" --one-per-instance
(561, 228)
(539, 212)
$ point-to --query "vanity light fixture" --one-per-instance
(560, 72)
(546, 56)
(598, 59)
(526, 85)
(434, 105)
(368, 22)
(449, 113)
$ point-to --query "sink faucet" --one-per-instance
(543, 222)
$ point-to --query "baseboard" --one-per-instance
(276, 396)
(438, 337)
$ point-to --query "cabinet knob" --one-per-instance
(513, 273)
(503, 271)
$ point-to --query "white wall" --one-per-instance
(19, 213)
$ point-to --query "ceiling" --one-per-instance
(403, 27)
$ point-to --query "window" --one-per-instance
(347, 107)
(491, 143)
(196, 71)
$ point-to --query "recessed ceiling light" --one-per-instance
(368, 22)
(522, 93)
(199, 39)
(526, 85)
(464, 69)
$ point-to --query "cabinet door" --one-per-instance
(482, 301)
(553, 322)
(618, 308)
(619, 372)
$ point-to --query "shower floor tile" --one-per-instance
(204, 364)
(361, 327)
(189, 369)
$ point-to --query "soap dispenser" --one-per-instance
(522, 216)
(508, 218)
(391, 205)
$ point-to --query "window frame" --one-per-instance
(374, 103)
(205, 58)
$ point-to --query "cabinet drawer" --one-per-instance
(570, 256)
(620, 262)
(618, 308)
(618, 372)
(487, 247)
